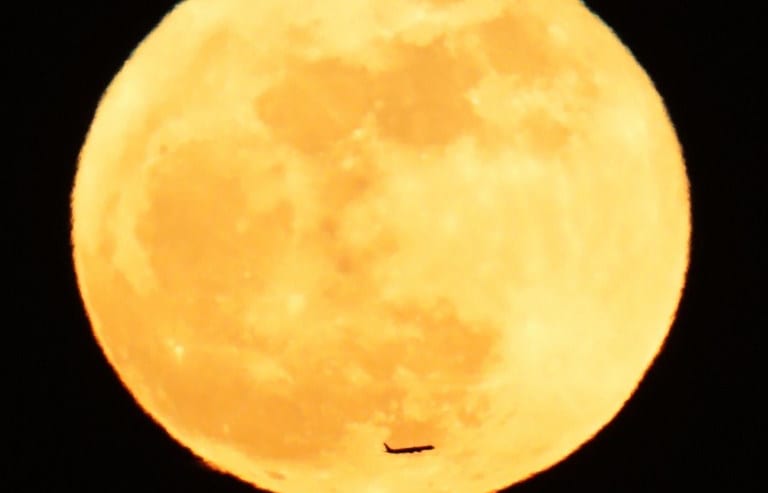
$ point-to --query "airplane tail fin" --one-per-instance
(387, 447)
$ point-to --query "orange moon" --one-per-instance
(301, 229)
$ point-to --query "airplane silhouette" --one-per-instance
(407, 450)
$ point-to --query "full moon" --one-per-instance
(303, 229)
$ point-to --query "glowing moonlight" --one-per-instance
(302, 229)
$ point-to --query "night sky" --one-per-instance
(693, 423)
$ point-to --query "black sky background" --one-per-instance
(694, 424)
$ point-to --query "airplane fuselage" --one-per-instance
(407, 450)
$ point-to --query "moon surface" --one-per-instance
(301, 229)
